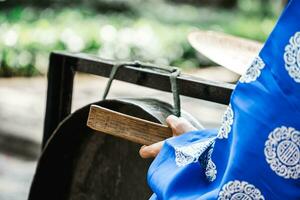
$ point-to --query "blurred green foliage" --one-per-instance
(149, 30)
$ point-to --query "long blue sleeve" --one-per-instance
(255, 154)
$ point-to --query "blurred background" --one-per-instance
(147, 30)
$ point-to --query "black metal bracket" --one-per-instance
(63, 66)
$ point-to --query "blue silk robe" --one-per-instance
(255, 154)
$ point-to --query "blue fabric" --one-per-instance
(256, 151)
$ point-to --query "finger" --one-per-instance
(175, 124)
(179, 125)
(187, 125)
(151, 150)
(172, 121)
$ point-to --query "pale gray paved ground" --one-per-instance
(16, 175)
(22, 106)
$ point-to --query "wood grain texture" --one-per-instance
(127, 127)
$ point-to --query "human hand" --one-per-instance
(178, 126)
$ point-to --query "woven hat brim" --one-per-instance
(232, 52)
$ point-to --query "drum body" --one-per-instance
(80, 164)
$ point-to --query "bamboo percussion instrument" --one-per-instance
(127, 127)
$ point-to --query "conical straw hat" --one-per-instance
(229, 51)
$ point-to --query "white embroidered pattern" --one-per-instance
(239, 190)
(254, 70)
(211, 171)
(227, 121)
(282, 152)
(198, 152)
(292, 57)
(191, 153)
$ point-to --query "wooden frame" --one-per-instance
(63, 67)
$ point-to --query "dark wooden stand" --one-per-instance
(63, 66)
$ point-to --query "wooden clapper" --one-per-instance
(127, 127)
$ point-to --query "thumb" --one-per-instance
(179, 125)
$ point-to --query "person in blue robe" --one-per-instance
(255, 154)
